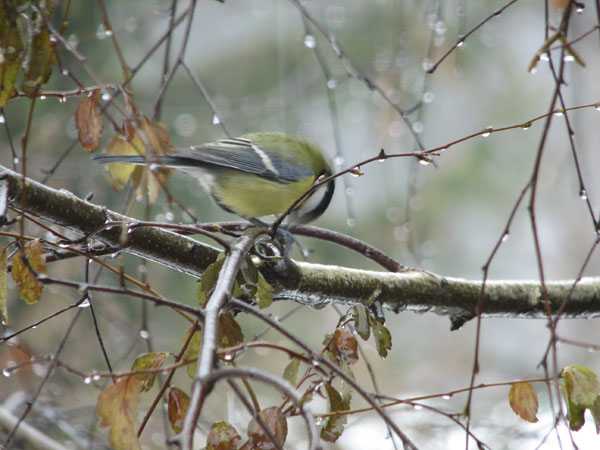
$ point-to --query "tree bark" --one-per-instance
(311, 284)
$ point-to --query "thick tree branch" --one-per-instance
(311, 284)
(63, 208)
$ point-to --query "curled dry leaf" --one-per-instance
(276, 423)
(89, 122)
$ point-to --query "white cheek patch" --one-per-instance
(265, 159)
(312, 202)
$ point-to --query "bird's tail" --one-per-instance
(108, 158)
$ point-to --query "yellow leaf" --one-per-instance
(193, 348)
(30, 289)
(117, 409)
(582, 385)
(119, 174)
(524, 401)
(41, 55)
(148, 361)
(11, 52)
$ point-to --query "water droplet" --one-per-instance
(169, 216)
(65, 72)
(424, 160)
(42, 97)
(310, 41)
(597, 106)
(154, 167)
(583, 195)
(332, 83)
(440, 28)
(446, 397)
(427, 65)
(96, 377)
(505, 237)
(62, 99)
(356, 172)
(591, 349)
(319, 421)
(568, 58)
(533, 70)
(418, 127)
(351, 222)
(106, 96)
(487, 131)
(88, 379)
(418, 407)
(544, 57)
(16, 160)
(86, 302)
(3, 119)
(428, 97)
(101, 31)
(559, 112)
(109, 33)
(228, 356)
(579, 8)
(526, 126)
(461, 42)
(7, 373)
(215, 120)
(53, 38)
(144, 334)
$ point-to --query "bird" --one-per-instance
(254, 175)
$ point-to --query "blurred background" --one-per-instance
(267, 68)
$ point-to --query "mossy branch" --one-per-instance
(311, 284)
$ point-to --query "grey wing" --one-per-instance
(242, 154)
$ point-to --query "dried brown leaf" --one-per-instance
(524, 401)
(177, 406)
(117, 409)
(89, 122)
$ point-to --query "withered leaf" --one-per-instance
(117, 409)
(89, 122)
(30, 289)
